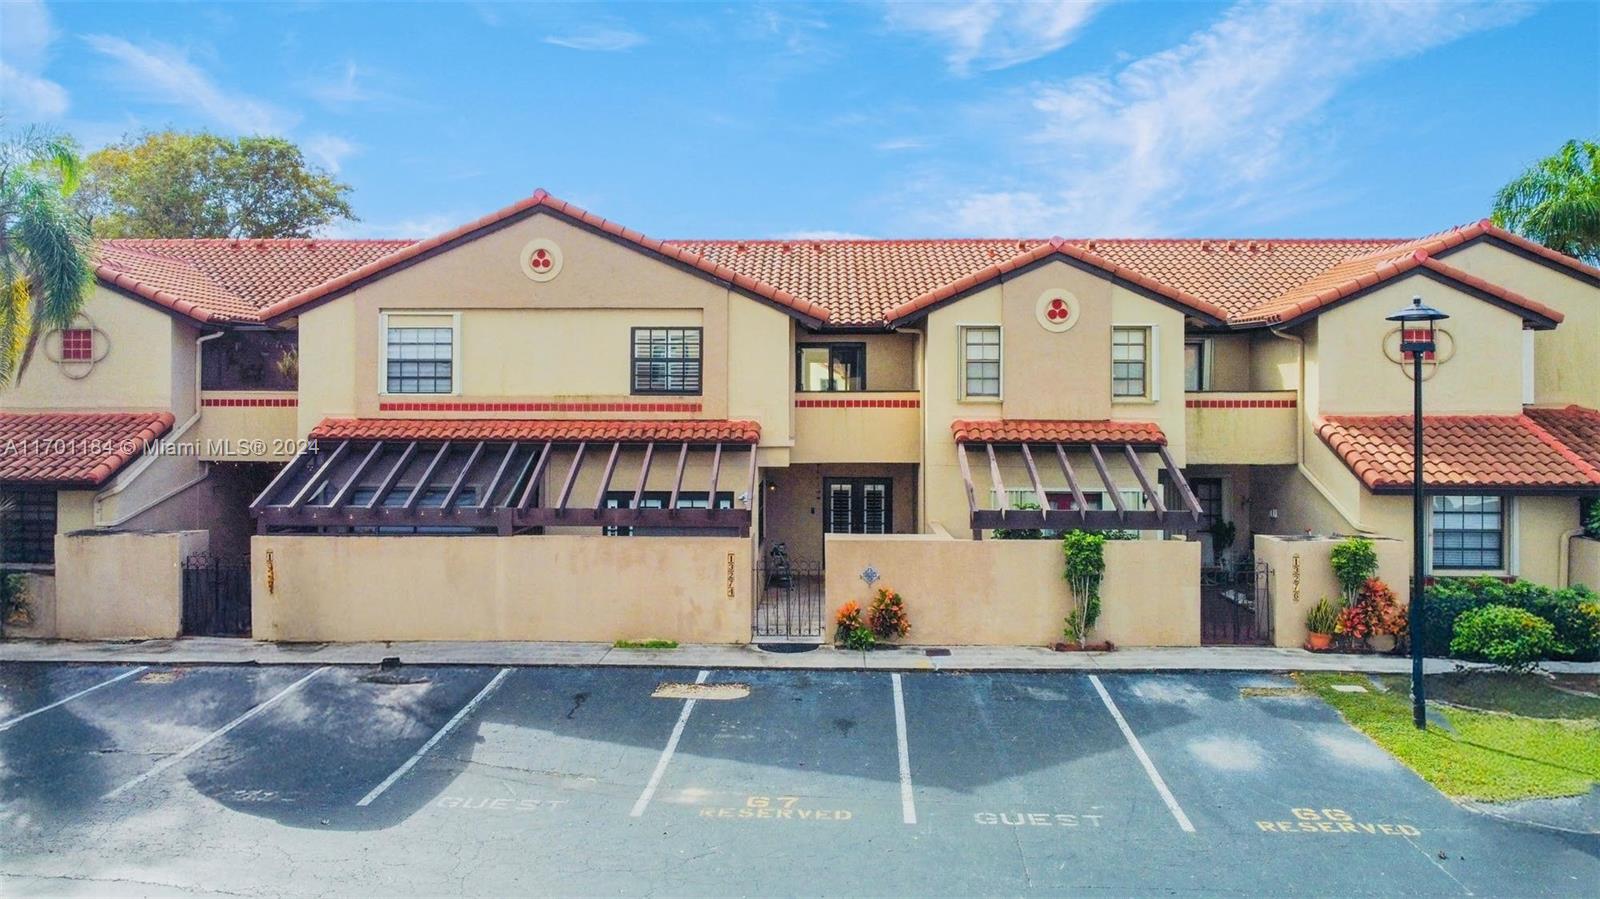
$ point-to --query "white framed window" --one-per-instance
(1132, 371)
(1197, 364)
(420, 354)
(1469, 533)
(980, 362)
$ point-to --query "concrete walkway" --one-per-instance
(219, 651)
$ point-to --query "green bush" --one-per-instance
(1504, 636)
(1574, 612)
(1354, 562)
(859, 638)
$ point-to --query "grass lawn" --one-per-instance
(1495, 755)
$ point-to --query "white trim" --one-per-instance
(1152, 363)
(383, 348)
(1528, 368)
(961, 363)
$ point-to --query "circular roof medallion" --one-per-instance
(541, 259)
(1057, 310)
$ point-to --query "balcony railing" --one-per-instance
(867, 426)
(1241, 427)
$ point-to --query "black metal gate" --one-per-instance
(788, 604)
(216, 596)
(1234, 606)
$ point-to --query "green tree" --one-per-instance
(177, 184)
(1557, 201)
(46, 255)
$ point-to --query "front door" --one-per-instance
(858, 506)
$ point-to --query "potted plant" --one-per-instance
(1321, 621)
(1375, 618)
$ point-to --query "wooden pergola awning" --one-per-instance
(1053, 439)
(487, 475)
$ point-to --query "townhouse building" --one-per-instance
(510, 401)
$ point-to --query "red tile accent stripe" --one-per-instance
(857, 404)
(278, 402)
(1240, 404)
(537, 407)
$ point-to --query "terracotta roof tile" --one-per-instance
(75, 449)
(1014, 430)
(664, 431)
(1576, 427)
(1466, 451)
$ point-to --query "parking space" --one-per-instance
(717, 782)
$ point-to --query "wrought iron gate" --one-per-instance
(788, 604)
(216, 596)
(1234, 606)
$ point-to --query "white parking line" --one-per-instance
(434, 740)
(201, 743)
(1144, 759)
(908, 805)
(666, 754)
(105, 683)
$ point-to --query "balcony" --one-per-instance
(1240, 428)
(245, 426)
(867, 426)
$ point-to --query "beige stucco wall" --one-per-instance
(865, 434)
(1011, 592)
(122, 586)
(690, 589)
(1230, 361)
(1484, 374)
(1274, 362)
(1302, 574)
(245, 433)
(1585, 563)
(760, 370)
(143, 360)
(1564, 358)
(1240, 434)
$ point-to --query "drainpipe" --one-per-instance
(1301, 412)
(1564, 558)
(139, 467)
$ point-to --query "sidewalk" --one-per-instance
(219, 651)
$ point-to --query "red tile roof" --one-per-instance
(1053, 247)
(229, 280)
(665, 431)
(1576, 427)
(1466, 451)
(74, 449)
(743, 282)
(1014, 430)
(1353, 276)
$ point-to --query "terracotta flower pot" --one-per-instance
(1319, 642)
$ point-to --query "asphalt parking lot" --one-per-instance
(469, 780)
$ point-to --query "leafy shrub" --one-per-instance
(1375, 611)
(1354, 562)
(1084, 554)
(1591, 522)
(888, 618)
(1020, 533)
(1577, 628)
(1505, 636)
(847, 621)
(1324, 616)
(859, 638)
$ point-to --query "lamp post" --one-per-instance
(1417, 338)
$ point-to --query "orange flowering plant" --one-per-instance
(849, 615)
(1375, 611)
(851, 632)
(888, 618)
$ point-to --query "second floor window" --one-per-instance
(666, 360)
(980, 362)
(830, 367)
(250, 360)
(1130, 362)
(1196, 373)
(420, 360)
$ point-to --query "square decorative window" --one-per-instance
(980, 362)
(28, 533)
(420, 360)
(830, 367)
(1196, 371)
(77, 345)
(1469, 532)
(666, 360)
(1130, 355)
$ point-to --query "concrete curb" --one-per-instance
(220, 651)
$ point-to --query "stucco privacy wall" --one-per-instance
(1011, 592)
(114, 586)
(690, 589)
(1302, 573)
(1585, 562)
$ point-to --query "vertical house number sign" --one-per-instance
(730, 575)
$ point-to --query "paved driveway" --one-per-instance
(482, 780)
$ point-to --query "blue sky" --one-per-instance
(873, 119)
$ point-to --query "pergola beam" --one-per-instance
(1072, 480)
(1105, 477)
(1033, 475)
(386, 486)
(461, 477)
(644, 474)
(605, 478)
(572, 476)
(533, 479)
(499, 475)
(427, 475)
(1150, 492)
(343, 496)
(677, 480)
(1190, 501)
(320, 476)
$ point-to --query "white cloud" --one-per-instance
(341, 89)
(1229, 119)
(994, 34)
(165, 75)
(900, 143)
(329, 149)
(603, 40)
(24, 50)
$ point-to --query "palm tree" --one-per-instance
(1557, 201)
(46, 255)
